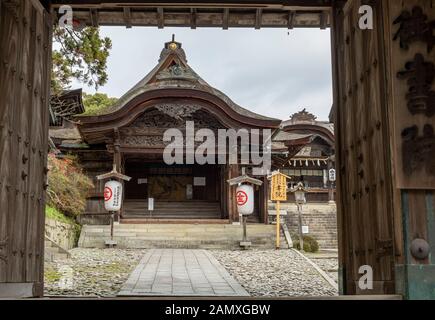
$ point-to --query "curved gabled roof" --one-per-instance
(172, 72)
(304, 122)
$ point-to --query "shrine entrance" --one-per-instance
(176, 192)
(384, 131)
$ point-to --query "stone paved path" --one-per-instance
(180, 272)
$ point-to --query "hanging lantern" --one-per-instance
(245, 199)
(112, 195)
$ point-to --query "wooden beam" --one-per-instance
(225, 18)
(193, 18)
(219, 18)
(93, 14)
(160, 18)
(127, 17)
(258, 18)
(323, 20)
(291, 19)
(240, 3)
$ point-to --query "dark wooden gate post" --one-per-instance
(25, 53)
(363, 159)
(385, 147)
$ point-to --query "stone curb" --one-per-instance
(319, 270)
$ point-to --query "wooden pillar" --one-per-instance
(233, 171)
(25, 53)
(223, 191)
(117, 161)
(264, 201)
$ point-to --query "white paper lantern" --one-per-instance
(112, 195)
(245, 199)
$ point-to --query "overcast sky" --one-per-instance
(267, 71)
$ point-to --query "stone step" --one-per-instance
(180, 236)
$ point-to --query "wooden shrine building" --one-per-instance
(308, 154)
(130, 134)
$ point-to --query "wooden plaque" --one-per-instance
(279, 187)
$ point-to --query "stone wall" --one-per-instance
(63, 234)
(94, 219)
(321, 219)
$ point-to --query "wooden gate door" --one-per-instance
(364, 179)
(25, 51)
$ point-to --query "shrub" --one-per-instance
(310, 244)
(67, 186)
(53, 213)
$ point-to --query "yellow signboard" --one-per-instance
(278, 187)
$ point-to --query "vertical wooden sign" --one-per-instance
(278, 193)
(411, 31)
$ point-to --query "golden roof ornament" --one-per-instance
(172, 47)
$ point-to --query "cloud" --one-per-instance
(270, 71)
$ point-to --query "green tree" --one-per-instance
(97, 103)
(80, 55)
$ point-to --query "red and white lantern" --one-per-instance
(112, 195)
(245, 199)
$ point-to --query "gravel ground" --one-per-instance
(91, 272)
(274, 273)
(102, 272)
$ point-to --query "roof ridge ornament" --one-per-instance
(176, 71)
(303, 115)
(172, 47)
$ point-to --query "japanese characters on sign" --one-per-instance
(278, 187)
(420, 75)
(418, 150)
(415, 27)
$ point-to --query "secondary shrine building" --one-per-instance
(131, 133)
